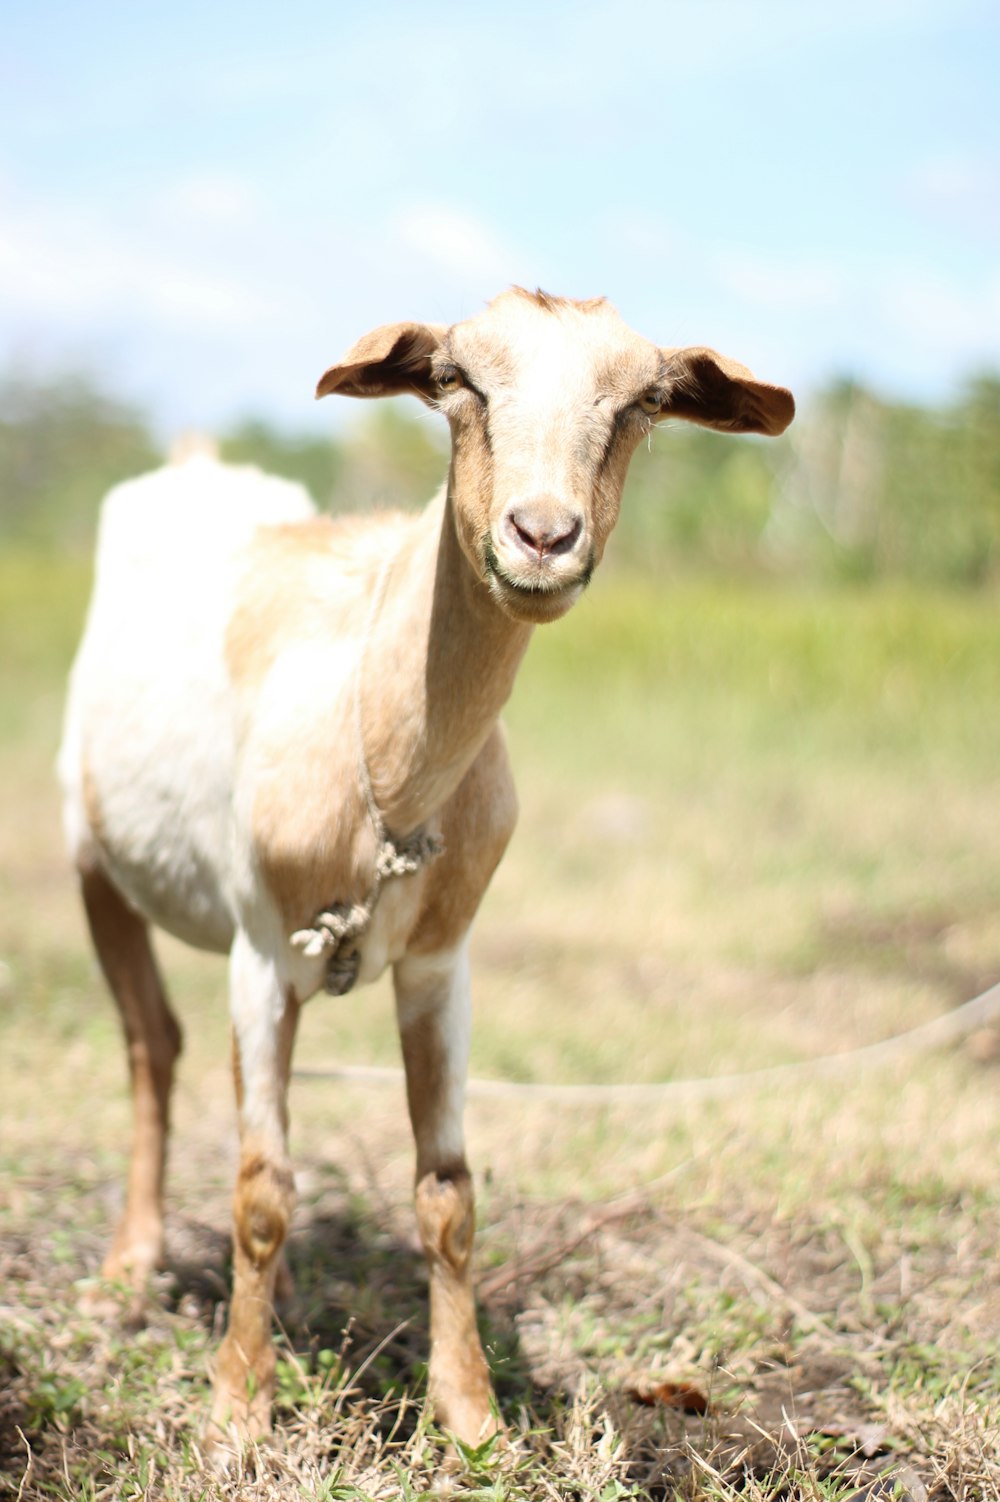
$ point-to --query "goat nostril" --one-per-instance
(567, 540)
(542, 531)
(528, 538)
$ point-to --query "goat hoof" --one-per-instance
(241, 1409)
(121, 1291)
(231, 1447)
(227, 1441)
(469, 1422)
(223, 1449)
(113, 1300)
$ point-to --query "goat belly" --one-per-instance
(156, 789)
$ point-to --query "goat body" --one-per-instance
(248, 666)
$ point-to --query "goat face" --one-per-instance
(547, 400)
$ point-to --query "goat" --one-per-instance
(262, 693)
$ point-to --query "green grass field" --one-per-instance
(758, 827)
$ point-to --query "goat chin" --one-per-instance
(534, 606)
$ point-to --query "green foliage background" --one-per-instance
(859, 488)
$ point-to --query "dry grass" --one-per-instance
(736, 853)
(829, 1353)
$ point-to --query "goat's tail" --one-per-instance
(193, 445)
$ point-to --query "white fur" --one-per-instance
(440, 988)
(256, 1005)
(150, 701)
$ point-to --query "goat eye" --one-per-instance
(650, 403)
(449, 379)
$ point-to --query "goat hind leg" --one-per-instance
(432, 1004)
(153, 1041)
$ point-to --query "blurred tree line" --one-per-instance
(859, 488)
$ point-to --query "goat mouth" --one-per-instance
(539, 597)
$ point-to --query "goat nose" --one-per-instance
(543, 526)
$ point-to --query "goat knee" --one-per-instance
(265, 1197)
(445, 1206)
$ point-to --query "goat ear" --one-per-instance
(720, 393)
(392, 359)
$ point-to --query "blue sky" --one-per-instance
(209, 204)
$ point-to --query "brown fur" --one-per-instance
(458, 1378)
(153, 1041)
(477, 824)
(265, 1192)
(310, 825)
(716, 392)
(309, 580)
(300, 580)
(311, 831)
(387, 361)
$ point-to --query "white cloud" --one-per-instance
(216, 200)
(954, 323)
(66, 265)
(770, 283)
(645, 238)
(458, 244)
(960, 186)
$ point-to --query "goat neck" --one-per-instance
(439, 665)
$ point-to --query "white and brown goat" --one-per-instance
(262, 693)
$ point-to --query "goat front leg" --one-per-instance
(433, 1010)
(264, 1016)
